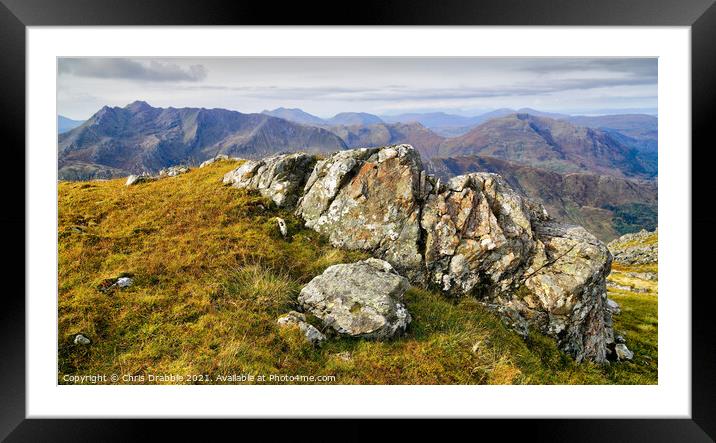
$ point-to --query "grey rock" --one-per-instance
(623, 353)
(565, 292)
(293, 318)
(649, 276)
(280, 178)
(81, 340)
(124, 282)
(483, 238)
(478, 234)
(613, 307)
(137, 179)
(282, 226)
(362, 299)
(619, 287)
(220, 157)
(173, 171)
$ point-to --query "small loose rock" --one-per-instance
(124, 282)
(81, 340)
(623, 353)
(613, 306)
(293, 318)
(282, 226)
(137, 179)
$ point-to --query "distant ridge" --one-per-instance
(344, 118)
(295, 115)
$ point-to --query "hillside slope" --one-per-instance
(140, 138)
(212, 273)
(634, 285)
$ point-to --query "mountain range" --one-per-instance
(596, 171)
(555, 145)
(140, 138)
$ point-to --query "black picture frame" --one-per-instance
(700, 15)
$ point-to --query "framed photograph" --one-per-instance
(234, 212)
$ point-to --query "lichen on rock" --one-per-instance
(369, 199)
(362, 299)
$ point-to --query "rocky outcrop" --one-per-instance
(173, 171)
(485, 239)
(639, 248)
(362, 299)
(280, 178)
(473, 235)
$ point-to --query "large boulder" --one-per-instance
(362, 299)
(369, 199)
(280, 177)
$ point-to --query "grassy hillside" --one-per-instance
(212, 273)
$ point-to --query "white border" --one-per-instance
(670, 398)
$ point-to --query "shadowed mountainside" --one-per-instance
(550, 144)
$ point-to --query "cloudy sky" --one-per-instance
(383, 86)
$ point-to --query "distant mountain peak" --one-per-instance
(139, 138)
(355, 118)
(295, 115)
(138, 105)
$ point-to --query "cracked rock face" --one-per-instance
(362, 299)
(485, 239)
(478, 234)
(368, 199)
(280, 178)
(564, 295)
